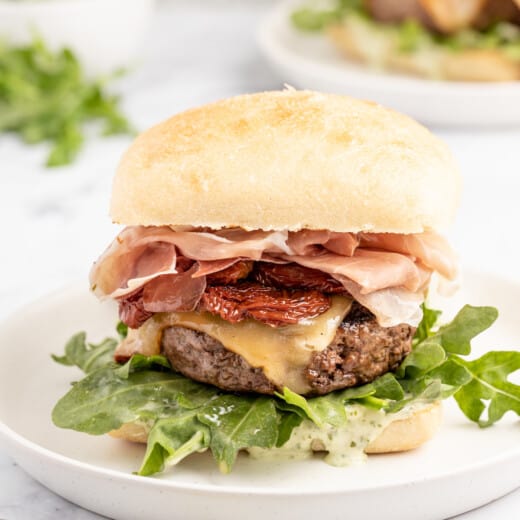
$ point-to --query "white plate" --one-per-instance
(306, 60)
(462, 468)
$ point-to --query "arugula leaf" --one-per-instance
(288, 422)
(140, 362)
(480, 386)
(432, 348)
(300, 402)
(172, 439)
(357, 392)
(425, 390)
(237, 422)
(226, 425)
(87, 357)
(429, 319)
(184, 416)
(469, 322)
(45, 96)
(387, 387)
(424, 357)
(104, 401)
(452, 376)
(330, 409)
(122, 329)
(488, 387)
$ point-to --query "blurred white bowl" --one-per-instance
(104, 34)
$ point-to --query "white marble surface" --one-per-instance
(54, 223)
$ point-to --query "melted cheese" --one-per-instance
(283, 352)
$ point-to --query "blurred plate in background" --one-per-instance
(105, 34)
(306, 60)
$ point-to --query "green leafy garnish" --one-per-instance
(455, 337)
(182, 416)
(122, 329)
(306, 406)
(410, 35)
(425, 328)
(45, 96)
(238, 422)
(314, 19)
(487, 388)
(172, 439)
(87, 357)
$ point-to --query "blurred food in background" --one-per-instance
(56, 58)
(104, 34)
(44, 96)
(462, 40)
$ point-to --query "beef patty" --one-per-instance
(360, 351)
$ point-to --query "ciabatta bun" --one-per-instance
(288, 160)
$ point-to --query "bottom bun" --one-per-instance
(408, 433)
(400, 435)
(134, 432)
(378, 46)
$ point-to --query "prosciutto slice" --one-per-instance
(131, 261)
(388, 273)
(174, 292)
(390, 306)
(128, 262)
(308, 242)
(429, 248)
(209, 267)
(371, 270)
(220, 246)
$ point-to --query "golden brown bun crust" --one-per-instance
(134, 432)
(410, 433)
(401, 435)
(288, 160)
(377, 48)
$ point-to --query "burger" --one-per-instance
(270, 280)
(474, 40)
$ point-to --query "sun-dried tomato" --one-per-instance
(294, 276)
(275, 307)
(232, 274)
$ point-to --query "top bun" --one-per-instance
(288, 160)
